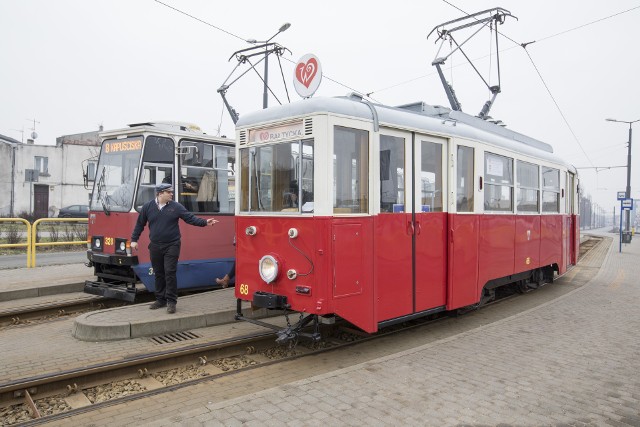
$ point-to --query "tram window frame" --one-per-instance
(550, 189)
(206, 182)
(528, 180)
(431, 167)
(465, 173)
(158, 155)
(117, 173)
(498, 183)
(278, 178)
(392, 174)
(350, 184)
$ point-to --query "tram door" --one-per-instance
(410, 228)
(430, 239)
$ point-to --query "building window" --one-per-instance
(42, 165)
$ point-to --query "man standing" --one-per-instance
(163, 214)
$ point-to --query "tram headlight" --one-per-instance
(268, 268)
(96, 244)
(121, 246)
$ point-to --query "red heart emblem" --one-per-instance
(306, 72)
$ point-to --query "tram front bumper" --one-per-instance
(121, 292)
(268, 300)
(100, 258)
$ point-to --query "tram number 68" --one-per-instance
(244, 289)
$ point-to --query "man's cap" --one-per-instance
(163, 187)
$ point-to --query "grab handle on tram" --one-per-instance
(410, 228)
(419, 227)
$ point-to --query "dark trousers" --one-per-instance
(164, 260)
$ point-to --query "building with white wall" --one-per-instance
(40, 179)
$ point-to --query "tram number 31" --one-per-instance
(244, 289)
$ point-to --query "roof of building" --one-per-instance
(8, 140)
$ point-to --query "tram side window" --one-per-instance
(528, 187)
(498, 179)
(207, 178)
(550, 190)
(391, 174)
(278, 177)
(157, 167)
(431, 177)
(350, 170)
(464, 179)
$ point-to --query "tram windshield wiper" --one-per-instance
(102, 192)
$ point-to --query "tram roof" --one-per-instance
(182, 129)
(419, 116)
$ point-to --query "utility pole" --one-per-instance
(628, 189)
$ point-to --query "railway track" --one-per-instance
(49, 311)
(39, 399)
(36, 400)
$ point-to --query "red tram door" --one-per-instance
(410, 230)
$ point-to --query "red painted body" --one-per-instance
(363, 267)
(205, 252)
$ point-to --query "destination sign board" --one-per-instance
(123, 145)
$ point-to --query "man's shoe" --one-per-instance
(171, 308)
(156, 305)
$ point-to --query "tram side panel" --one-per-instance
(462, 280)
(393, 279)
(551, 241)
(431, 260)
(527, 243)
(496, 248)
(353, 285)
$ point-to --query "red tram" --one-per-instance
(380, 214)
(132, 162)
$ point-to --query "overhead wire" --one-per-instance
(524, 46)
(324, 76)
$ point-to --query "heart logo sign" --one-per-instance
(305, 72)
(308, 74)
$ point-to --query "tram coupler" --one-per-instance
(293, 332)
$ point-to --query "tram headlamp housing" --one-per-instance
(268, 268)
(121, 246)
(97, 243)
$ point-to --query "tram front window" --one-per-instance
(278, 178)
(116, 175)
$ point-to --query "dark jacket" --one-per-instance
(163, 224)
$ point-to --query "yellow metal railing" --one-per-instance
(34, 233)
(19, 245)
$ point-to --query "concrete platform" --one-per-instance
(20, 283)
(211, 308)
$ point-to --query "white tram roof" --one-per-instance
(182, 129)
(417, 116)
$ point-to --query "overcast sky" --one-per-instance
(73, 65)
